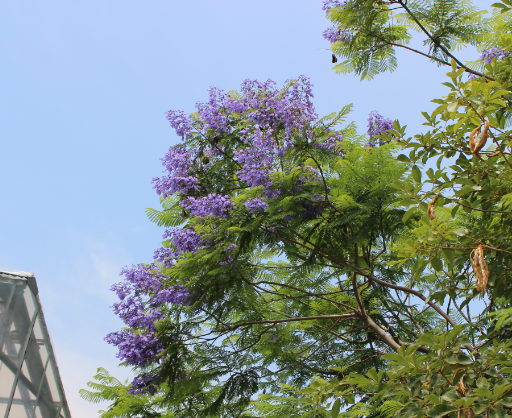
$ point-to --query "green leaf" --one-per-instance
(448, 255)
(459, 359)
(497, 412)
(408, 214)
(486, 393)
(336, 409)
(416, 174)
(372, 374)
(499, 390)
(397, 359)
(437, 264)
(506, 402)
(452, 107)
(439, 411)
(460, 231)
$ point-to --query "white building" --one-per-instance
(30, 384)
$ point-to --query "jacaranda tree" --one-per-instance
(307, 270)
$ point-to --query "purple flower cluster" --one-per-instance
(332, 142)
(264, 108)
(185, 240)
(256, 205)
(256, 165)
(489, 54)
(180, 121)
(143, 384)
(142, 294)
(331, 4)
(213, 204)
(231, 247)
(334, 35)
(136, 349)
(178, 164)
(377, 125)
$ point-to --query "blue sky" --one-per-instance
(85, 85)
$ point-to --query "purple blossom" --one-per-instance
(229, 260)
(185, 240)
(332, 142)
(142, 295)
(489, 54)
(135, 349)
(334, 34)
(230, 248)
(177, 294)
(213, 204)
(256, 205)
(256, 165)
(143, 384)
(331, 4)
(178, 164)
(181, 122)
(377, 125)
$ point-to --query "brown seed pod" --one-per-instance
(184, 214)
(431, 212)
(468, 413)
(216, 140)
(461, 389)
(477, 139)
(334, 59)
(480, 268)
(205, 160)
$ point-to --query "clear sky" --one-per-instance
(84, 88)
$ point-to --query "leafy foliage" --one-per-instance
(309, 271)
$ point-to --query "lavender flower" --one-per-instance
(489, 54)
(377, 125)
(332, 142)
(185, 240)
(334, 34)
(143, 384)
(231, 247)
(212, 204)
(178, 163)
(134, 348)
(331, 4)
(256, 205)
(180, 121)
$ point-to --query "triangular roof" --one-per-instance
(30, 383)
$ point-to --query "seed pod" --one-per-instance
(477, 139)
(216, 140)
(184, 214)
(468, 413)
(334, 59)
(461, 389)
(431, 212)
(205, 160)
(480, 268)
